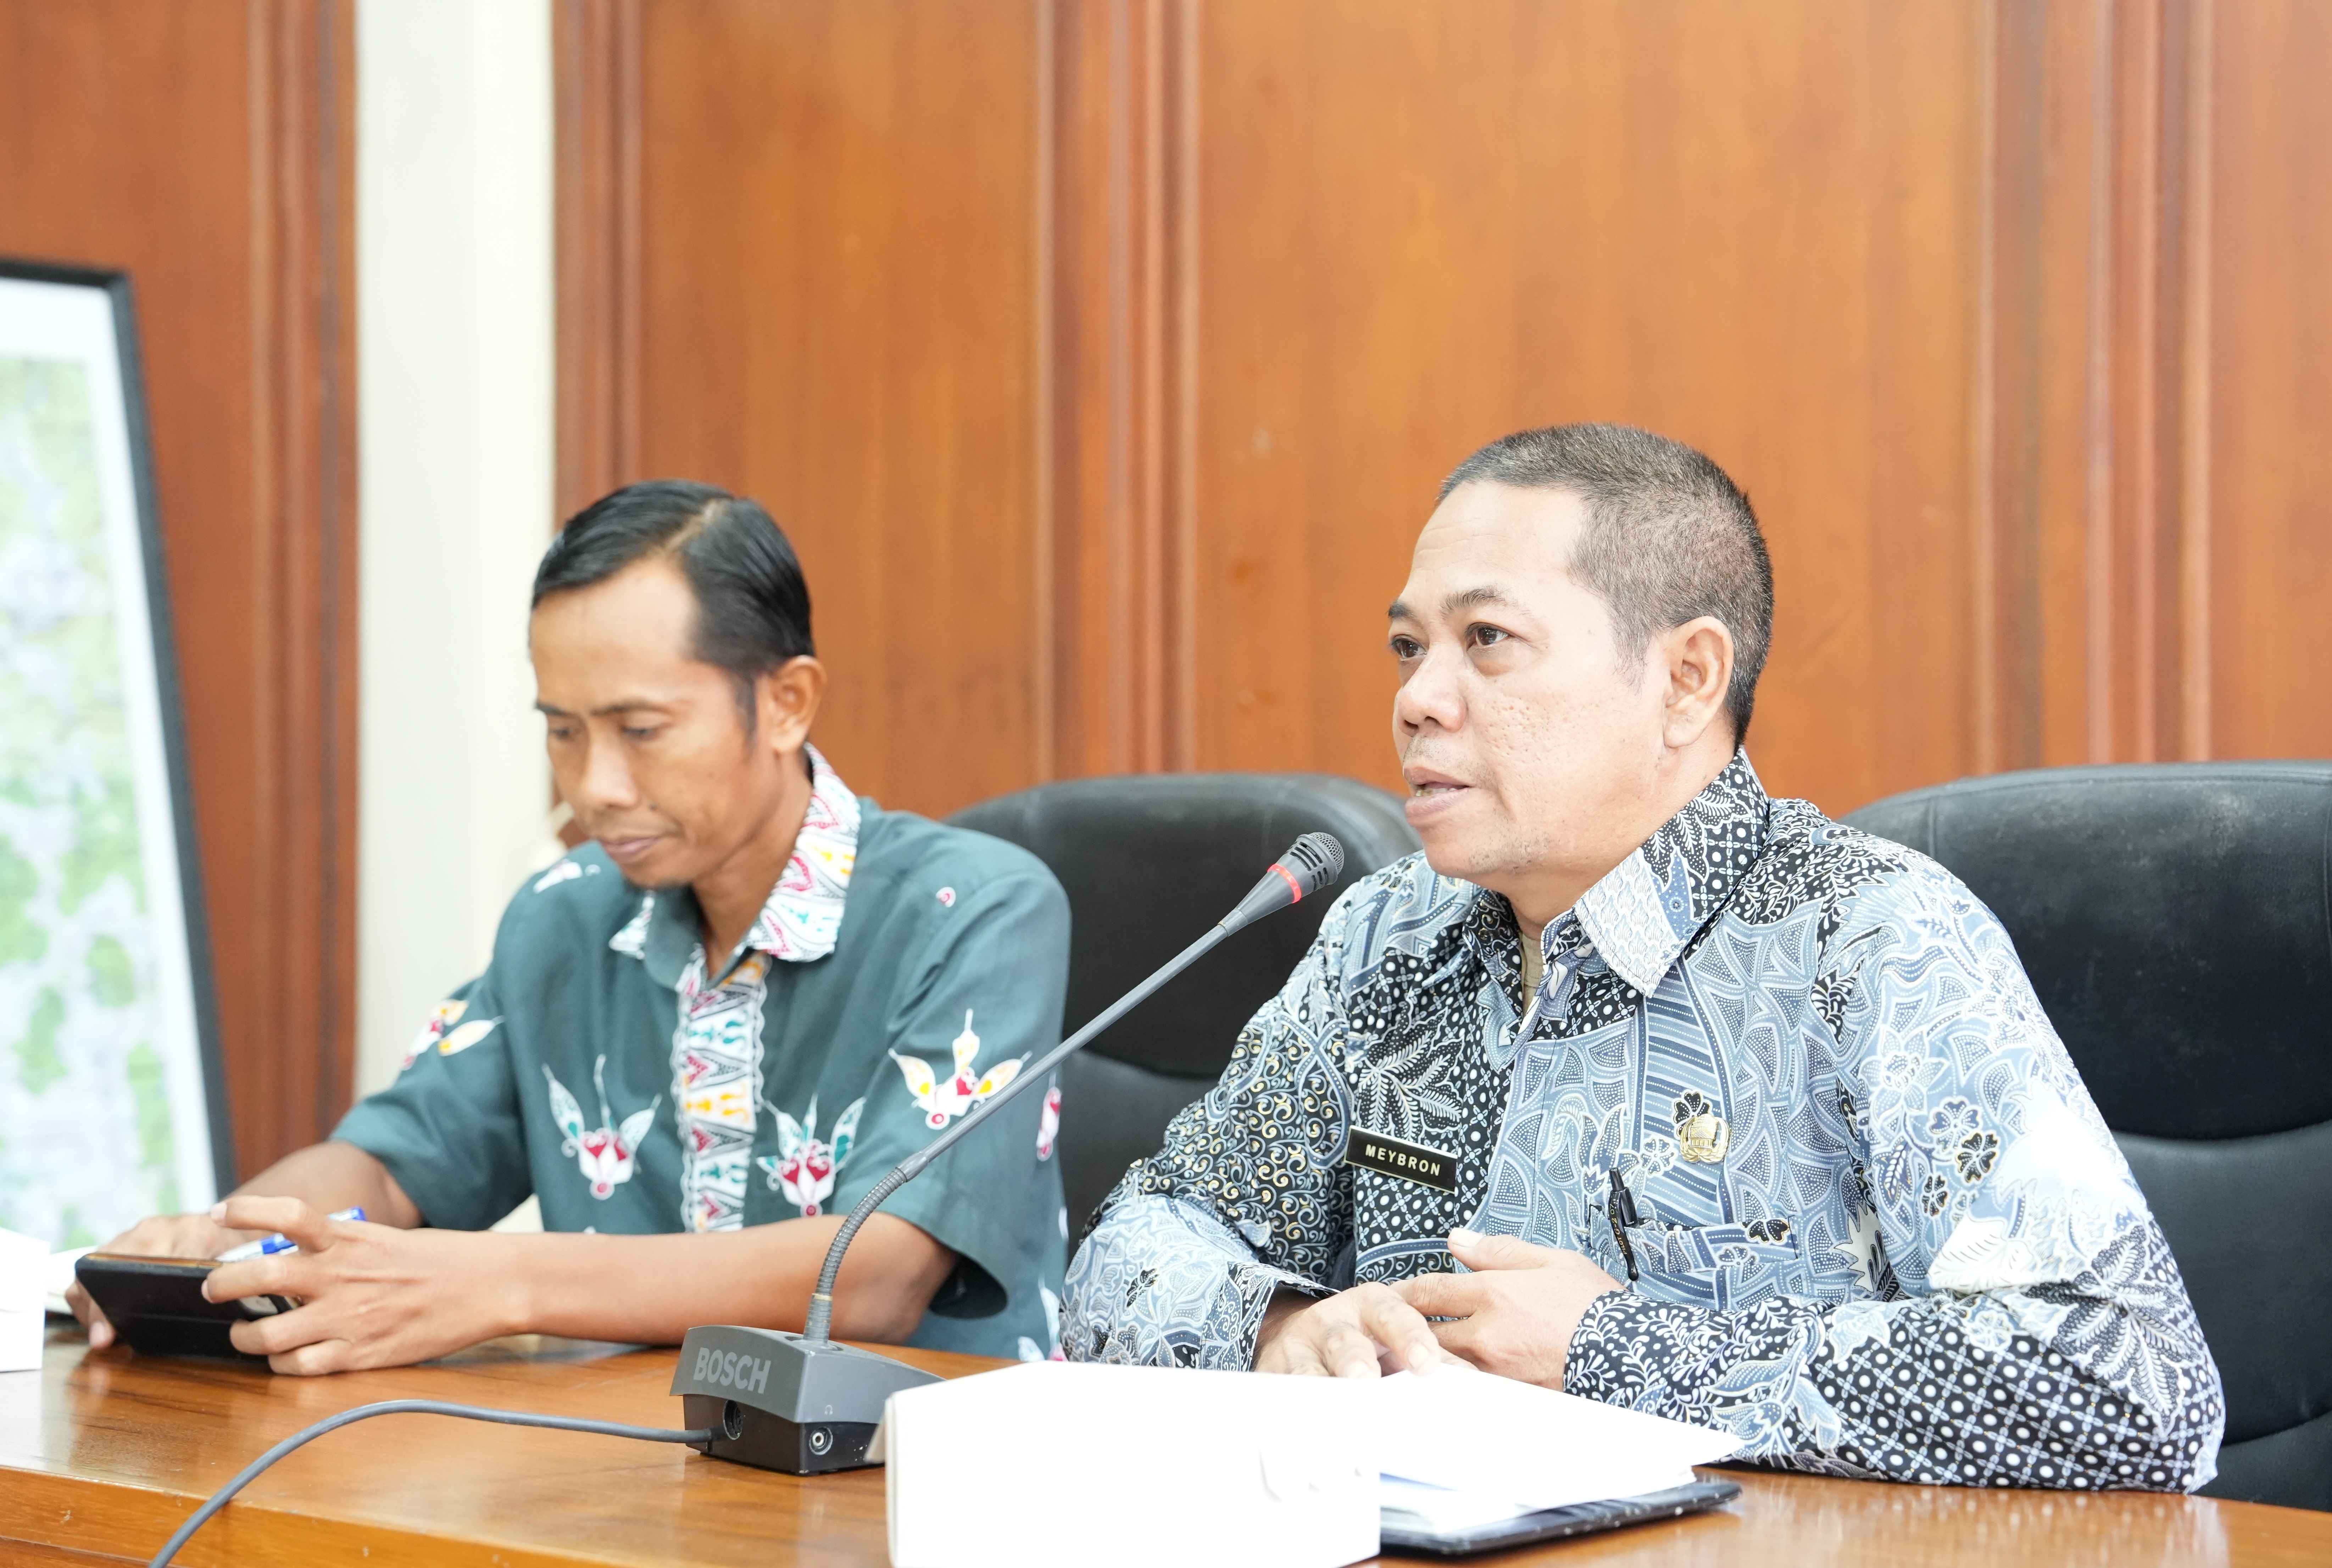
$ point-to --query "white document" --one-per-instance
(1147, 1465)
(1492, 1437)
(23, 1292)
(1061, 1463)
(1438, 1510)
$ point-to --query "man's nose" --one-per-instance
(607, 776)
(1431, 692)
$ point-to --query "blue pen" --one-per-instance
(269, 1245)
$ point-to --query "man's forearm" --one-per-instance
(653, 1289)
(332, 1176)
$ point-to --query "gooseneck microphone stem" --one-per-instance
(821, 1302)
(1311, 862)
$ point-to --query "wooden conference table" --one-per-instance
(101, 1456)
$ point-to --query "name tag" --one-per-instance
(1410, 1162)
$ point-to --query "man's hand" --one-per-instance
(163, 1236)
(1516, 1312)
(371, 1296)
(1362, 1332)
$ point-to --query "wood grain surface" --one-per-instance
(1103, 355)
(796, 244)
(208, 151)
(102, 1455)
(1754, 229)
(2269, 344)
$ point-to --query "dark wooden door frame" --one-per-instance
(208, 152)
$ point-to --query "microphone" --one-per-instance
(1311, 862)
(804, 1404)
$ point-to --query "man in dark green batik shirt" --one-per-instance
(703, 1036)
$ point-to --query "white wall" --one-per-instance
(454, 324)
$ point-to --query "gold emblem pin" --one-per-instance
(1703, 1139)
(1701, 1135)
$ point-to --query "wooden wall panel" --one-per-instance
(2269, 354)
(836, 220)
(1752, 230)
(2005, 312)
(205, 148)
(1115, 412)
(2087, 629)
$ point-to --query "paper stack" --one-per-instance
(1053, 1462)
(1460, 1448)
(1142, 1465)
(24, 1289)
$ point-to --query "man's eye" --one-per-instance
(642, 731)
(1487, 637)
(1405, 648)
(562, 732)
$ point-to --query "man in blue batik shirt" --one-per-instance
(1640, 1084)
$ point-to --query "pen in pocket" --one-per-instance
(269, 1245)
(1621, 1210)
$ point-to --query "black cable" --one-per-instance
(250, 1472)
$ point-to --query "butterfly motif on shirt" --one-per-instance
(442, 1017)
(805, 1164)
(942, 1100)
(605, 1152)
(1049, 1123)
(447, 1032)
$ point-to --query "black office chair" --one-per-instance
(1150, 861)
(2176, 921)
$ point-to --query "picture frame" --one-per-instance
(113, 1100)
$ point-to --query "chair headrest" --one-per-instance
(2176, 921)
(1151, 861)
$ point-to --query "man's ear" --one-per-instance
(1699, 659)
(787, 699)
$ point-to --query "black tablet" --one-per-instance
(1554, 1523)
(155, 1304)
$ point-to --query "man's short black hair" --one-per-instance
(1668, 537)
(753, 606)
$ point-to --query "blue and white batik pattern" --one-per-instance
(1917, 1253)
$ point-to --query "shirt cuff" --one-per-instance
(446, 1192)
(1164, 1281)
(988, 1238)
(1592, 1366)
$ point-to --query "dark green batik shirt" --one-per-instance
(901, 973)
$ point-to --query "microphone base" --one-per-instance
(768, 1443)
(778, 1402)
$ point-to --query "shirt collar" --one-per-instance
(1645, 910)
(802, 919)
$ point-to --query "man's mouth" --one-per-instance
(624, 848)
(1428, 791)
(1424, 783)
